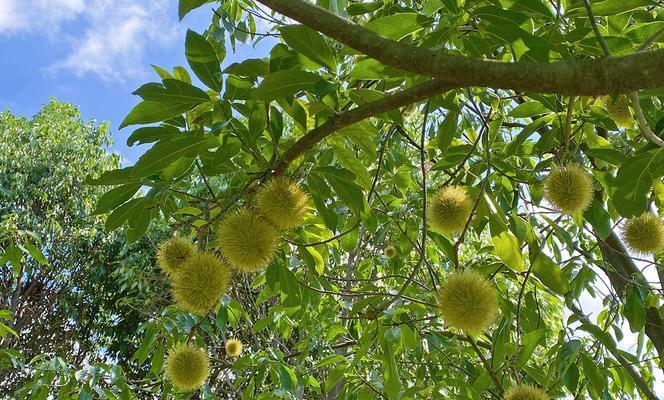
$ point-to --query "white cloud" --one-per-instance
(103, 37)
(30, 15)
(10, 17)
(117, 36)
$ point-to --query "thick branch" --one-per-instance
(636, 377)
(624, 271)
(610, 75)
(341, 120)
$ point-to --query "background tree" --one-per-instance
(75, 293)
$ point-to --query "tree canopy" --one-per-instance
(402, 200)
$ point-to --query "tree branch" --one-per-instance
(610, 75)
(389, 102)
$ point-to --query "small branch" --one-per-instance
(643, 124)
(593, 23)
(487, 366)
(389, 102)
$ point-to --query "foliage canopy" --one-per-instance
(373, 108)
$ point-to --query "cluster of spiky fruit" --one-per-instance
(468, 301)
(569, 188)
(449, 210)
(247, 237)
(198, 280)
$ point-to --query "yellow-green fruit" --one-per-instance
(282, 202)
(468, 301)
(390, 251)
(233, 347)
(644, 234)
(187, 367)
(200, 283)
(449, 209)
(247, 240)
(525, 392)
(569, 188)
(618, 110)
(173, 253)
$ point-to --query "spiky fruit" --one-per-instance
(569, 188)
(449, 209)
(644, 234)
(390, 251)
(468, 301)
(618, 110)
(282, 202)
(187, 367)
(247, 240)
(201, 281)
(525, 392)
(233, 347)
(173, 253)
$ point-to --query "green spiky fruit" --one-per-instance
(569, 188)
(173, 253)
(187, 367)
(390, 251)
(644, 234)
(282, 202)
(233, 347)
(525, 392)
(449, 210)
(618, 110)
(468, 302)
(247, 240)
(201, 281)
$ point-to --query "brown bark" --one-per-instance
(640, 70)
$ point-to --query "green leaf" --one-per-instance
(396, 26)
(115, 197)
(390, 371)
(530, 342)
(147, 112)
(608, 7)
(363, 134)
(172, 91)
(506, 245)
(317, 189)
(184, 6)
(634, 181)
(163, 154)
(36, 253)
(124, 212)
(592, 373)
(634, 310)
(203, 60)
(447, 130)
(149, 134)
(547, 271)
(341, 181)
(600, 335)
(285, 84)
(309, 43)
(599, 218)
(528, 109)
(113, 177)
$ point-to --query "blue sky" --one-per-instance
(93, 54)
